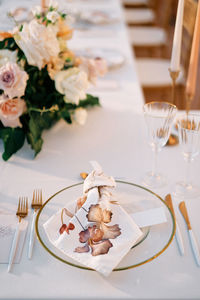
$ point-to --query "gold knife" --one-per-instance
(179, 240)
(193, 241)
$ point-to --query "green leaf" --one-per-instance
(21, 27)
(13, 139)
(63, 15)
(89, 101)
(34, 136)
(66, 115)
(37, 123)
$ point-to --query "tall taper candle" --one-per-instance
(176, 49)
(43, 4)
(193, 65)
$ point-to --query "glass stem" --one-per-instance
(155, 162)
(187, 172)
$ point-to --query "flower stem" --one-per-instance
(51, 109)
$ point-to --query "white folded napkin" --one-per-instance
(8, 223)
(101, 232)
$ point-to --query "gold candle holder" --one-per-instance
(173, 139)
(174, 75)
(189, 99)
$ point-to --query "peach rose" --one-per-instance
(11, 110)
(13, 80)
(93, 67)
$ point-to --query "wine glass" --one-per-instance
(189, 137)
(159, 118)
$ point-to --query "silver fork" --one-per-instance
(36, 204)
(22, 212)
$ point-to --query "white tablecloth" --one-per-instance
(115, 135)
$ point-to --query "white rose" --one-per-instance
(53, 16)
(80, 115)
(38, 42)
(72, 83)
(37, 10)
(7, 56)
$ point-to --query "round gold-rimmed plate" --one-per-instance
(133, 198)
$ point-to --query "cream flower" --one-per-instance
(11, 110)
(37, 10)
(93, 67)
(7, 56)
(53, 4)
(13, 80)
(72, 83)
(38, 42)
(80, 115)
(53, 16)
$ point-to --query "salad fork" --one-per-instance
(22, 212)
(36, 204)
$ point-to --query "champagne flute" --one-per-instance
(189, 137)
(159, 117)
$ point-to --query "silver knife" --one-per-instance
(193, 241)
(179, 239)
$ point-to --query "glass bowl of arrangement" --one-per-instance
(41, 80)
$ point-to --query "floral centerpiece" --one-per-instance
(41, 80)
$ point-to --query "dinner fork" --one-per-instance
(22, 212)
(36, 204)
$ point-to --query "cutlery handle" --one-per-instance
(194, 247)
(32, 236)
(14, 247)
(179, 239)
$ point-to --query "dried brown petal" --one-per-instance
(96, 234)
(83, 249)
(107, 216)
(67, 212)
(84, 236)
(81, 201)
(71, 226)
(110, 232)
(101, 247)
(95, 213)
(63, 228)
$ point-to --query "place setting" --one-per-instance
(99, 170)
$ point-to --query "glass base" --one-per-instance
(184, 190)
(154, 180)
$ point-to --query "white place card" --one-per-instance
(150, 217)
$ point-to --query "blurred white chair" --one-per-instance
(154, 72)
(154, 36)
(147, 36)
(139, 16)
(135, 3)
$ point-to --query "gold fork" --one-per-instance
(36, 204)
(22, 212)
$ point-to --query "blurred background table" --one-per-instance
(114, 135)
